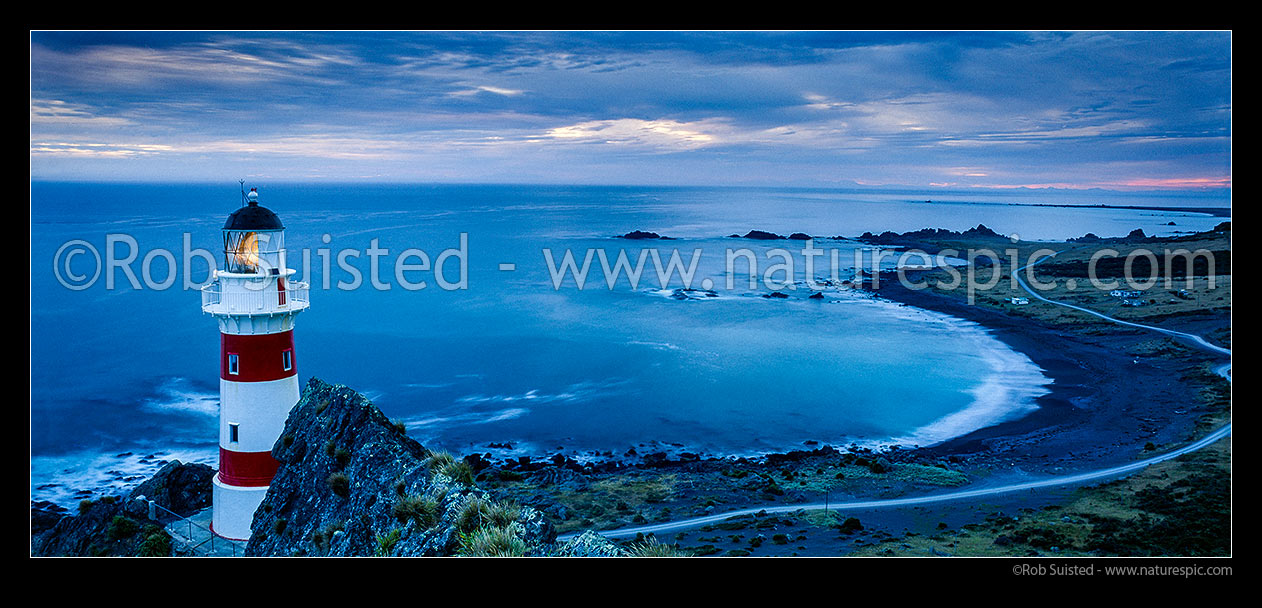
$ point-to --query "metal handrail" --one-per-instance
(153, 506)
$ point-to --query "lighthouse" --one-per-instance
(255, 304)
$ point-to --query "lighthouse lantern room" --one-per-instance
(255, 304)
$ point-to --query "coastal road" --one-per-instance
(1047, 482)
(1195, 339)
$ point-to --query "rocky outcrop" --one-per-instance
(643, 234)
(758, 235)
(120, 525)
(351, 482)
(181, 488)
(894, 238)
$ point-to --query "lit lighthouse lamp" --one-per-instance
(255, 304)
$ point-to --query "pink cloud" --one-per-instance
(1177, 182)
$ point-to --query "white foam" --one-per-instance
(426, 421)
(90, 474)
(679, 293)
(1008, 391)
(178, 394)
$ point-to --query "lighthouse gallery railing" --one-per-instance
(297, 295)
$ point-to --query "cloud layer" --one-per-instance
(1145, 110)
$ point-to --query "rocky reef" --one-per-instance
(763, 235)
(894, 238)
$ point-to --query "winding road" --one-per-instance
(1061, 480)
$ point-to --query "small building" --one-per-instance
(1133, 302)
(1019, 300)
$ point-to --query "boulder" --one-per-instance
(590, 544)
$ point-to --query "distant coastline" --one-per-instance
(1211, 211)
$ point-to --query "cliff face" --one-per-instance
(351, 482)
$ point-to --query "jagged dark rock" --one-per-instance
(181, 488)
(303, 514)
(45, 515)
(642, 234)
(590, 544)
(982, 231)
(759, 235)
(120, 525)
(1137, 235)
(894, 238)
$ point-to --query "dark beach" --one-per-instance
(1105, 403)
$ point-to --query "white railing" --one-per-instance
(296, 296)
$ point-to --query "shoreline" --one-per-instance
(1103, 404)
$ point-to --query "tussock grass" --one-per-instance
(492, 541)
(652, 547)
(438, 459)
(340, 484)
(385, 544)
(421, 509)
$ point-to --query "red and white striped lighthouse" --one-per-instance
(255, 305)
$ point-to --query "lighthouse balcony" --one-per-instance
(294, 298)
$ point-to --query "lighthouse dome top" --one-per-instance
(253, 216)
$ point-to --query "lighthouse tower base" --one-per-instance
(234, 508)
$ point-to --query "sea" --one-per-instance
(462, 311)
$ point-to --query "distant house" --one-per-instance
(1122, 293)
(1019, 300)
(1133, 302)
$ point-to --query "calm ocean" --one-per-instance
(124, 378)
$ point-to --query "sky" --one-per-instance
(951, 110)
